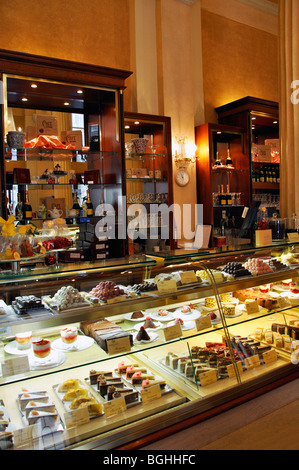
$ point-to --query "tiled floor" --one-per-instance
(269, 422)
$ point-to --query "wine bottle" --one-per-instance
(76, 205)
(218, 161)
(262, 176)
(229, 161)
(222, 197)
(19, 208)
(27, 208)
(219, 196)
(228, 196)
(89, 205)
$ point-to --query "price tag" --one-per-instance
(252, 362)
(114, 407)
(231, 370)
(207, 378)
(114, 300)
(252, 307)
(5, 331)
(270, 356)
(74, 418)
(188, 277)
(119, 345)
(15, 366)
(166, 287)
(151, 393)
(173, 332)
(293, 237)
(203, 323)
(284, 302)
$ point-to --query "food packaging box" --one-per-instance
(74, 255)
(72, 138)
(46, 125)
(263, 237)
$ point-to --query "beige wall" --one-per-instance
(188, 56)
(238, 61)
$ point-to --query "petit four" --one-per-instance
(68, 297)
(236, 269)
(257, 266)
(106, 290)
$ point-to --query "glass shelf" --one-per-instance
(53, 154)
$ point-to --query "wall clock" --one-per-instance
(182, 177)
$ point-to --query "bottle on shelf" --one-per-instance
(262, 176)
(219, 196)
(229, 161)
(76, 205)
(223, 223)
(218, 161)
(228, 196)
(19, 209)
(253, 174)
(89, 206)
(222, 197)
(27, 208)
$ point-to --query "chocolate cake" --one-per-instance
(142, 335)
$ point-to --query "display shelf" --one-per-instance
(188, 396)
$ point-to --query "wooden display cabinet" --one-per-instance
(260, 120)
(35, 86)
(149, 174)
(213, 140)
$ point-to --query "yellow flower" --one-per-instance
(8, 227)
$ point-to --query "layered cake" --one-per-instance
(41, 347)
(142, 288)
(265, 300)
(122, 367)
(210, 302)
(39, 406)
(103, 330)
(25, 398)
(149, 383)
(69, 334)
(138, 378)
(23, 340)
(26, 304)
(48, 418)
(95, 374)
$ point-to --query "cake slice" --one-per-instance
(149, 383)
(39, 406)
(27, 397)
(49, 419)
(138, 377)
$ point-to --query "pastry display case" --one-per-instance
(97, 355)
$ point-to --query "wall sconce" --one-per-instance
(185, 153)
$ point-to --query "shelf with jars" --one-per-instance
(148, 164)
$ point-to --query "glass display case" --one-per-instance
(97, 355)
